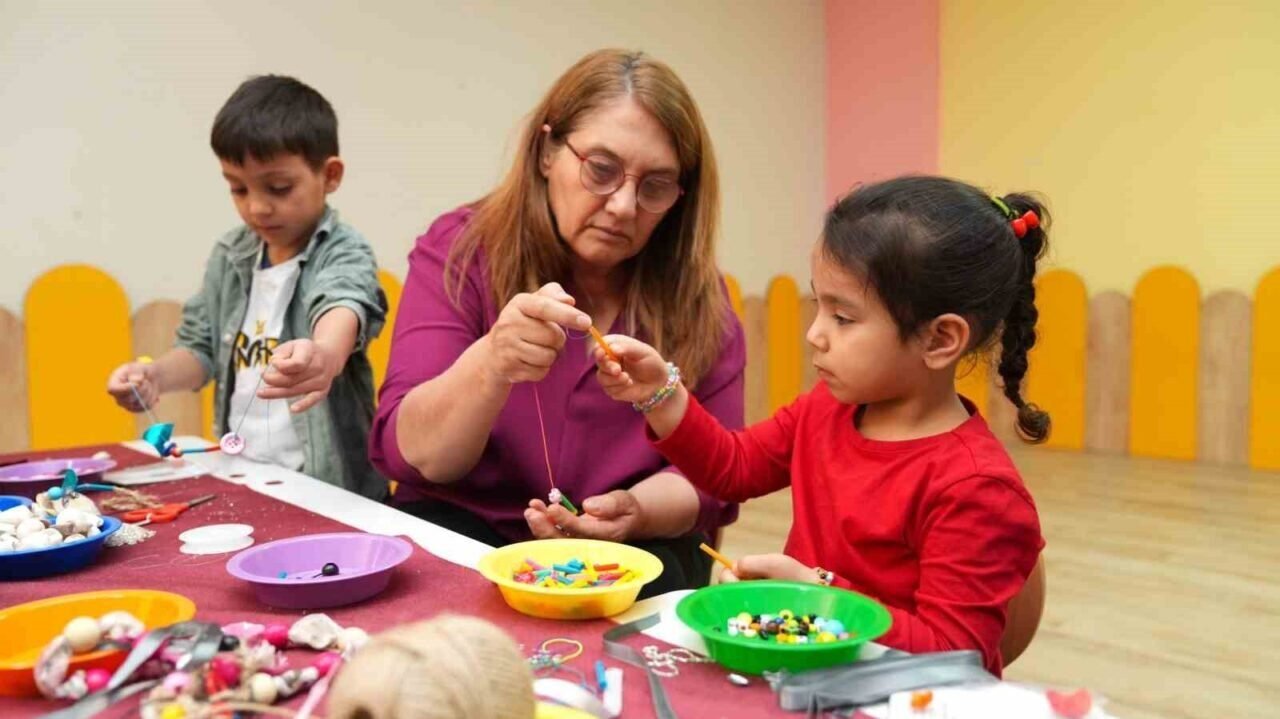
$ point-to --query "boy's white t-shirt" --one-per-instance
(268, 427)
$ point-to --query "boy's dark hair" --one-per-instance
(930, 246)
(270, 114)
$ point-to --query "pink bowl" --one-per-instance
(365, 565)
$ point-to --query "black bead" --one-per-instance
(329, 569)
(228, 643)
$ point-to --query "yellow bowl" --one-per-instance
(560, 602)
(27, 628)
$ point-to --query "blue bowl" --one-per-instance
(47, 561)
(9, 501)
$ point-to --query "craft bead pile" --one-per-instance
(573, 574)
(787, 627)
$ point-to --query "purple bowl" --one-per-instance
(31, 478)
(365, 565)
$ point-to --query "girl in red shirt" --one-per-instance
(900, 490)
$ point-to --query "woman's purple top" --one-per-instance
(596, 444)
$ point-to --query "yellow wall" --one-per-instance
(1154, 128)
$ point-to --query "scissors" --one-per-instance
(164, 513)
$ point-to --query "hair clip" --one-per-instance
(1028, 221)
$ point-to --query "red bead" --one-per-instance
(1031, 219)
(277, 635)
(1072, 706)
(227, 669)
(326, 662)
(1019, 228)
(97, 679)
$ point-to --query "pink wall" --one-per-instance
(882, 90)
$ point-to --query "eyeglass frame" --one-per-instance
(582, 169)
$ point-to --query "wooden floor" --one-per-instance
(1163, 582)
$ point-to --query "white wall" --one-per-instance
(105, 111)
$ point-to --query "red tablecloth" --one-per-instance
(422, 587)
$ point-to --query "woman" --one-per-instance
(606, 218)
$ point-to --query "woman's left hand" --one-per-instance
(614, 517)
(769, 566)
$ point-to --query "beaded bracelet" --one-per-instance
(668, 389)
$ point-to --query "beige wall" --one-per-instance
(105, 111)
(1153, 128)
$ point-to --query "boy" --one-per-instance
(289, 302)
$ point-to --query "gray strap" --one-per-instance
(207, 638)
(875, 681)
(614, 647)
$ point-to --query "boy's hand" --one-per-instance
(527, 337)
(300, 367)
(614, 517)
(769, 566)
(141, 376)
(641, 374)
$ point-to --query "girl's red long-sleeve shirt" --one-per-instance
(940, 529)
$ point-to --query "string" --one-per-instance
(542, 427)
(145, 408)
(249, 405)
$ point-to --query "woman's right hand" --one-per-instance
(143, 377)
(529, 334)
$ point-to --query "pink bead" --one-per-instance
(326, 662)
(176, 682)
(227, 669)
(277, 635)
(97, 679)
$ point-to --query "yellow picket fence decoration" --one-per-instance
(1165, 361)
(1056, 376)
(380, 348)
(1163, 374)
(1264, 400)
(786, 339)
(77, 331)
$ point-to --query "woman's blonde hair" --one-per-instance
(675, 295)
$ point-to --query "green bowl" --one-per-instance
(708, 610)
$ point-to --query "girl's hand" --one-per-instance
(143, 377)
(528, 336)
(642, 371)
(769, 566)
(614, 517)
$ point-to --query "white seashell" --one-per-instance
(93, 532)
(77, 521)
(72, 538)
(40, 540)
(317, 631)
(29, 527)
(352, 639)
(6, 529)
(14, 516)
(120, 625)
(8, 543)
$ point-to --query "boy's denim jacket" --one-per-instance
(338, 269)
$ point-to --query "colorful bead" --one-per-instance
(326, 662)
(262, 688)
(227, 670)
(83, 634)
(277, 635)
(97, 679)
(173, 711)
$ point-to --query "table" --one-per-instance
(439, 577)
